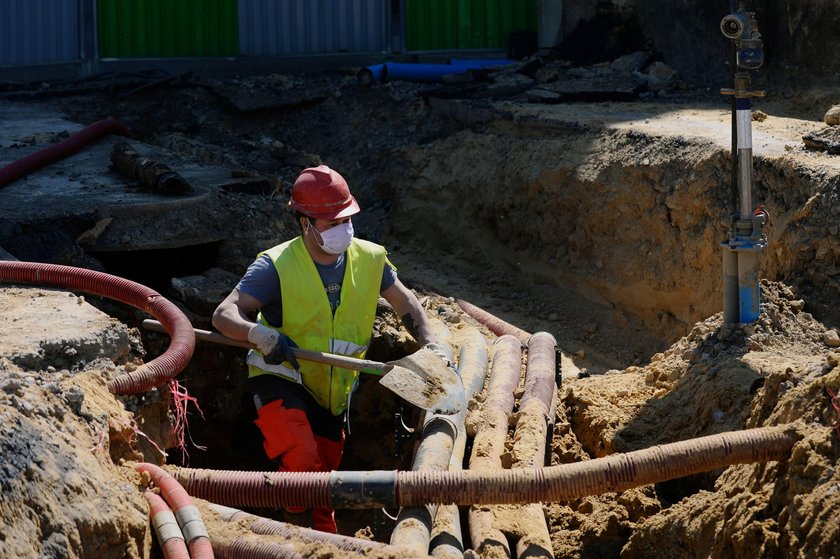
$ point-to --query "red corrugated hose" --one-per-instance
(189, 519)
(169, 534)
(147, 376)
(60, 150)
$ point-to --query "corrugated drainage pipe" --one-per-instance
(251, 548)
(147, 376)
(189, 519)
(376, 489)
(268, 527)
(494, 323)
(60, 150)
(169, 534)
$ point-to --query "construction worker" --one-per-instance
(318, 291)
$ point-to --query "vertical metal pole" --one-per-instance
(744, 124)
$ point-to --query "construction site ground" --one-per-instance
(599, 222)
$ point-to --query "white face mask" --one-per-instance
(336, 240)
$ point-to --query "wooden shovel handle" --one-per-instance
(305, 354)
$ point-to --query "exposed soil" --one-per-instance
(599, 223)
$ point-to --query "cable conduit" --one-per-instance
(189, 519)
(60, 150)
(147, 376)
(267, 527)
(413, 529)
(169, 534)
(562, 482)
(530, 439)
(447, 541)
(251, 548)
(489, 442)
(494, 323)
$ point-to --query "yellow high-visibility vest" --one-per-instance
(309, 321)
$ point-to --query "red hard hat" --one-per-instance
(322, 193)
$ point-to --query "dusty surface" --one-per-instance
(597, 222)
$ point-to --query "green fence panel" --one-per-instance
(466, 24)
(167, 28)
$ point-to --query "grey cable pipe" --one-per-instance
(252, 548)
(413, 529)
(489, 440)
(529, 437)
(536, 401)
(267, 527)
(447, 540)
(378, 488)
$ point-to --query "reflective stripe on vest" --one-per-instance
(308, 319)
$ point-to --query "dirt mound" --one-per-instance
(714, 380)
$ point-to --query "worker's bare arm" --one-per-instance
(410, 311)
(236, 315)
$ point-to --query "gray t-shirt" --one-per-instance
(263, 284)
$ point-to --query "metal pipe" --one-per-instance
(147, 376)
(731, 310)
(60, 150)
(749, 290)
(376, 489)
(743, 118)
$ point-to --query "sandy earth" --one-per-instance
(596, 223)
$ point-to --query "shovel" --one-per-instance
(421, 378)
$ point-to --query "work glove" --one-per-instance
(274, 345)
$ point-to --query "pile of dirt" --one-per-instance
(782, 370)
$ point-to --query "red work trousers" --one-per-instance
(288, 436)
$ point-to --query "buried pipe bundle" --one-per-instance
(489, 440)
(376, 489)
(532, 434)
(60, 150)
(267, 527)
(169, 534)
(147, 376)
(186, 513)
(494, 323)
(447, 541)
(413, 529)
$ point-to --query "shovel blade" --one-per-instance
(424, 380)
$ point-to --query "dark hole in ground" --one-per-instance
(155, 268)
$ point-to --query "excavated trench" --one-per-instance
(600, 224)
(603, 235)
